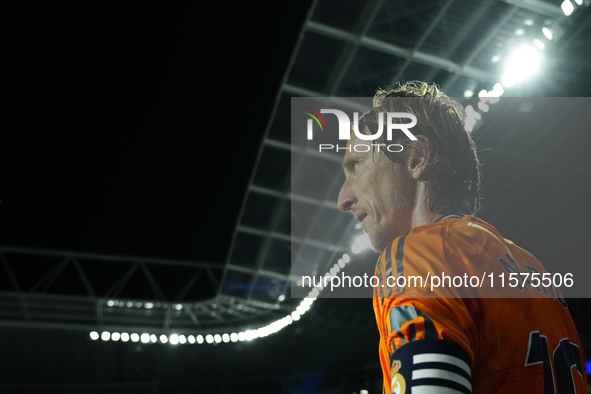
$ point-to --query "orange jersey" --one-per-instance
(525, 342)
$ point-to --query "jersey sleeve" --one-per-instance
(428, 339)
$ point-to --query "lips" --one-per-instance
(360, 217)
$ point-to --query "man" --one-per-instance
(416, 206)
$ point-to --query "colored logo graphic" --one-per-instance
(398, 384)
(315, 118)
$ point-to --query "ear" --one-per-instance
(419, 157)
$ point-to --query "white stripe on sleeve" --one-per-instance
(441, 358)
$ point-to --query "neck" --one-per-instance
(423, 215)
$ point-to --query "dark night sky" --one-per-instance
(133, 130)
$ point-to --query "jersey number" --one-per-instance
(565, 356)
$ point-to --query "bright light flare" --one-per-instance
(567, 7)
(524, 63)
(360, 244)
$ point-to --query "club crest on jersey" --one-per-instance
(398, 383)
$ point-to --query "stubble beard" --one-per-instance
(383, 237)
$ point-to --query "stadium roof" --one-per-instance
(148, 185)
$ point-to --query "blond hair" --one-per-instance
(453, 172)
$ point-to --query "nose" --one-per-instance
(346, 197)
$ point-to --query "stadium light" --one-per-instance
(523, 63)
(547, 32)
(567, 7)
(539, 44)
(483, 107)
(497, 90)
(361, 243)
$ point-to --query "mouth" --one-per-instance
(360, 217)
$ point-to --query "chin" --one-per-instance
(377, 245)
(381, 240)
(374, 249)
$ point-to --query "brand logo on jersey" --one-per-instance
(396, 364)
(345, 129)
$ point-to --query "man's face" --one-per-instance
(379, 192)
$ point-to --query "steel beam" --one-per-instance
(483, 43)
(398, 51)
(288, 238)
(367, 15)
(538, 6)
(421, 41)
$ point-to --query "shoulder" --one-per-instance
(471, 230)
(420, 248)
